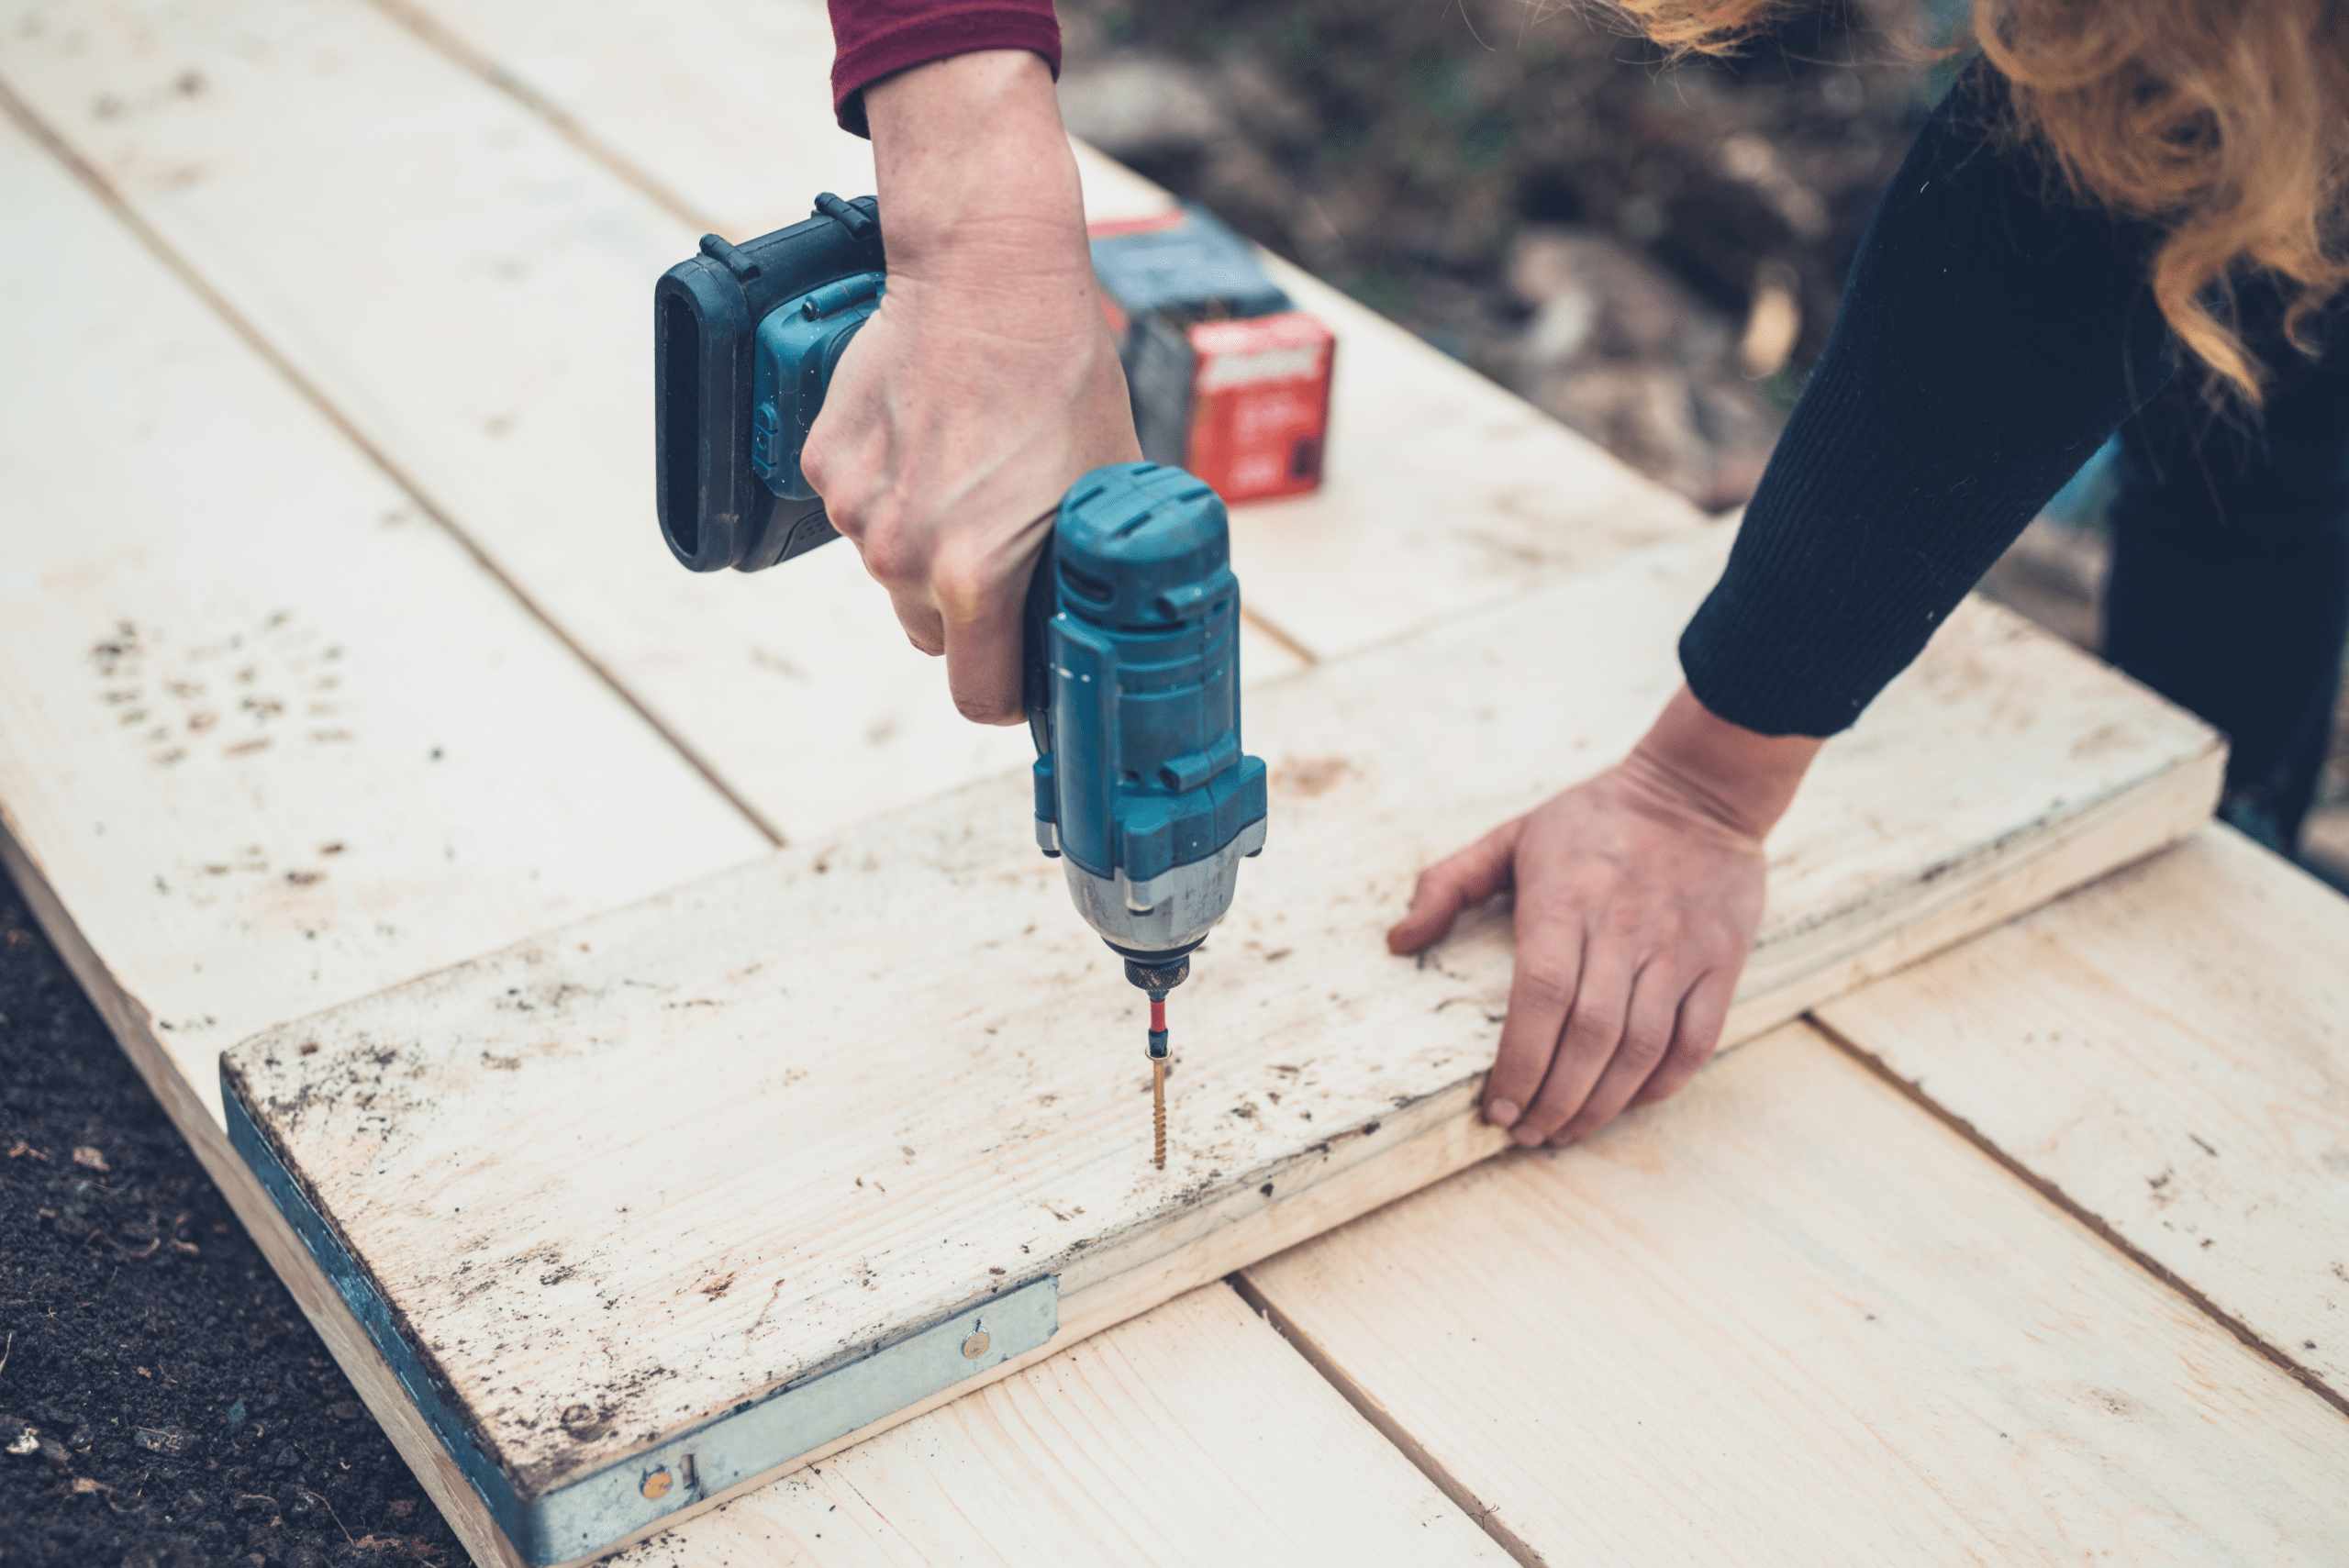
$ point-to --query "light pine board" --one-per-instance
(468, 287)
(2167, 1050)
(270, 739)
(1444, 490)
(1191, 1435)
(1789, 1318)
(861, 1077)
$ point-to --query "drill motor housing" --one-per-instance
(1140, 783)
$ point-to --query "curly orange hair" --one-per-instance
(2224, 122)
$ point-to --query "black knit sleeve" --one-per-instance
(1991, 336)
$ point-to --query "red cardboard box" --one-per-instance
(1260, 404)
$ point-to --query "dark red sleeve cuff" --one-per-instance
(872, 39)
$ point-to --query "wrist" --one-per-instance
(970, 155)
(1740, 777)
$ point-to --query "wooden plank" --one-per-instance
(2168, 1054)
(270, 739)
(1790, 1318)
(1190, 1435)
(858, 1079)
(1444, 491)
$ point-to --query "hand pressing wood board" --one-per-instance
(271, 738)
(667, 1161)
(1442, 491)
(2167, 1052)
(1790, 1318)
(1191, 1435)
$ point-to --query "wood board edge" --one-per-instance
(2104, 835)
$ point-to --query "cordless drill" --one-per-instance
(1131, 655)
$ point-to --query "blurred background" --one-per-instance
(1651, 254)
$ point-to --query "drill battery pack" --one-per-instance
(1229, 379)
(745, 337)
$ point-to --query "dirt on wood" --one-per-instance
(163, 1402)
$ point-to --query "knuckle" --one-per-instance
(816, 467)
(1594, 1028)
(959, 585)
(1544, 982)
(892, 554)
(847, 517)
(1644, 1048)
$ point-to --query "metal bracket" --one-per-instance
(591, 1513)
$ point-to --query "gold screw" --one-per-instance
(1158, 1111)
(656, 1486)
(975, 1346)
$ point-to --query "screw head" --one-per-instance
(656, 1486)
(975, 1346)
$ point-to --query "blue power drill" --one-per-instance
(1132, 647)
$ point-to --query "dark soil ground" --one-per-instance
(163, 1402)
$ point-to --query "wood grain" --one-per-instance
(2168, 1052)
(1190, 1435)
(703, 1144)
(271, 735)
(1789, 1317)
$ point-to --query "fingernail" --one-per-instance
(1502, 1113)
(1563, 1141)
(1527, 1138)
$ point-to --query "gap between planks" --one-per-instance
(2117, 1042)
(1872, 1312)
(311, 393)
(1486, 1515)
(446, 43)
(2087, 1216)
(2043, 1185)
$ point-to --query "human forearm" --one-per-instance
(1988, 340)
(988, 382)
(975, 168)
